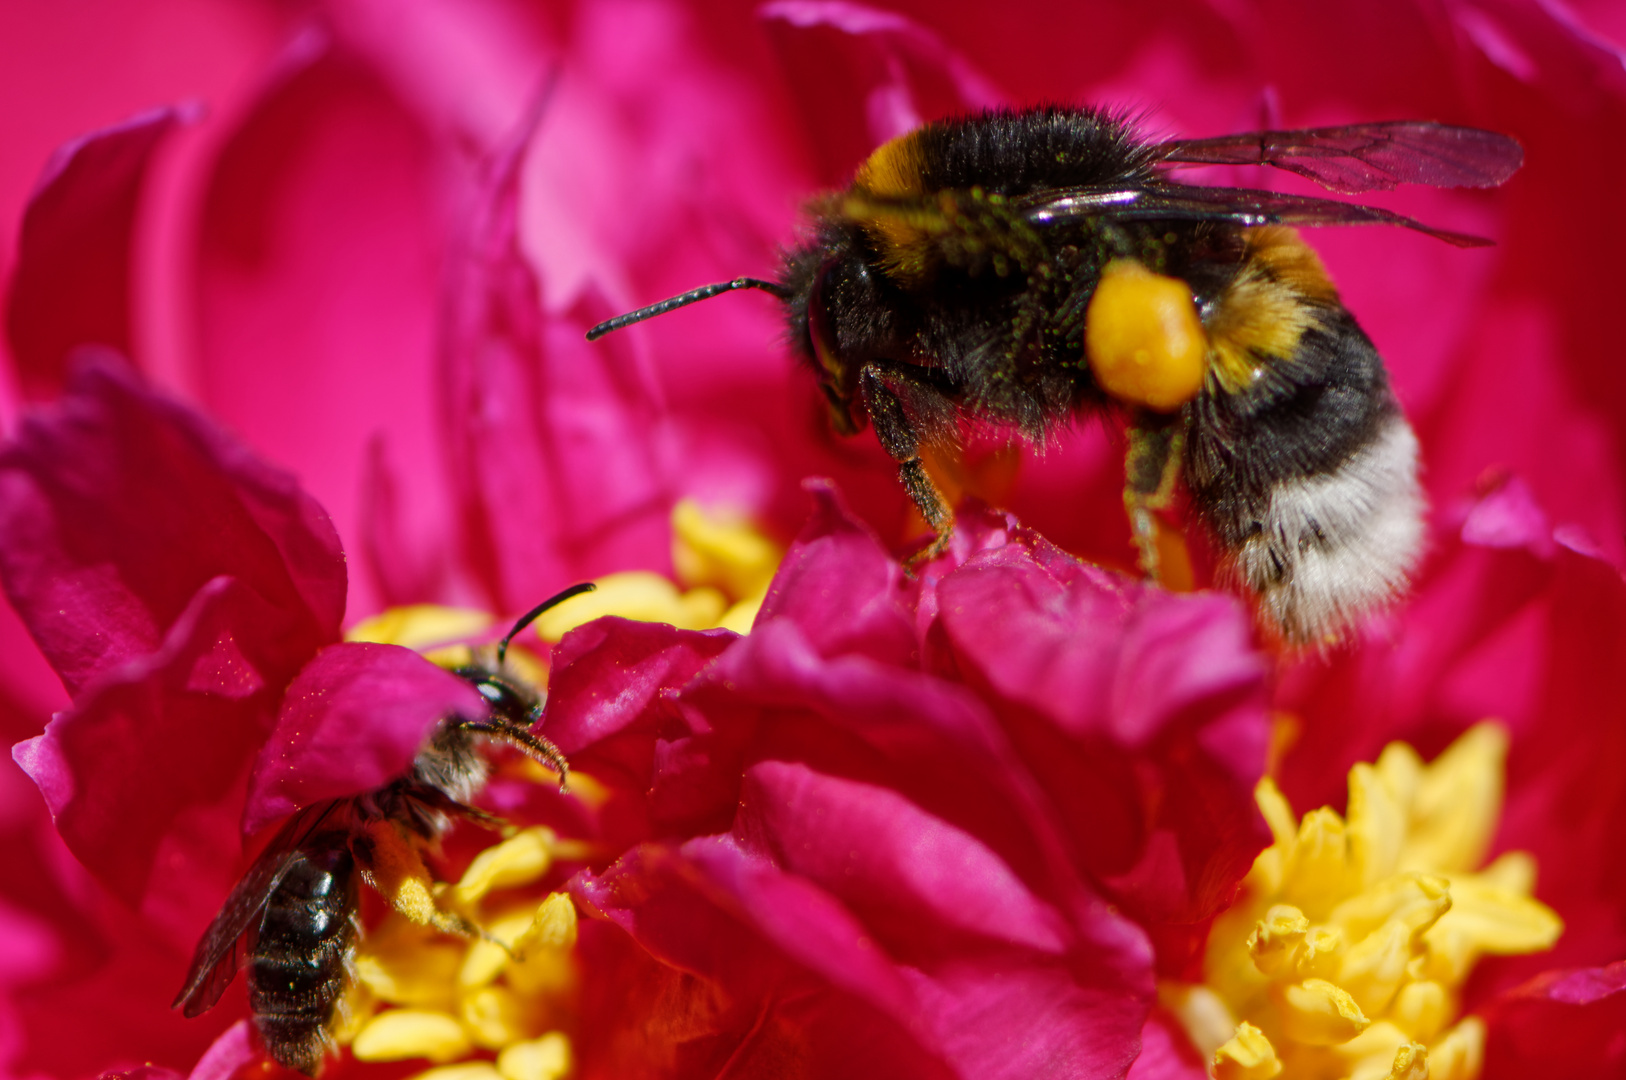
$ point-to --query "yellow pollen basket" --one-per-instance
(1346, 952)
(1144, 340)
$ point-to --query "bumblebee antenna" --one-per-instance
(694, 296)
(535, 613)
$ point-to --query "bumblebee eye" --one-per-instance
(821, 335)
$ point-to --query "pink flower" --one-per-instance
(887, 822)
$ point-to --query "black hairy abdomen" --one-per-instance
(1307, 417)
(299, 963)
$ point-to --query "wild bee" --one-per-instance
(294, 915)
(1010, 269)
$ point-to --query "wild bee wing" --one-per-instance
(1365, 157)
(1237, 206)
(221, 949)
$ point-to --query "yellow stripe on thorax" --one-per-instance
(1264, 312)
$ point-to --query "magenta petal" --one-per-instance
(235, 1048)
(841, 587)
(352, 720)
(1564, 1023)
(1143, 713)
(864, 74)
(71, 285)
(140, 765)
(118, 505)
(759, 1008)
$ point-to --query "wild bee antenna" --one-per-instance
(535, 613)
(691, 297)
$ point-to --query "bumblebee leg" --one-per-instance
(1151, 470)
(899, 439)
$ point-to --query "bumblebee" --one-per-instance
(293, 917)
(1013, 269)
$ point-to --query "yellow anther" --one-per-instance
(1317, 874)
(1487, 919)
(467, 1070)
(401, 965)
(1317, 1013)
(1143, 337)
(1201, 1012)
(419, 626)
(1278, 940)
(411, 1033)
(553, 928)
(519, 860)
(487, 957)
(1411, 1063)
(1248, 1056)
(1348, 947)
(721, 550)
(1422, 1008)
(547, 1058)
(1416, 901)
(1372, 970)
(1457, 804)
(494, 1016)
(1377, 826)
(1461, 1054)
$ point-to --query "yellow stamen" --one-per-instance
(418, 626)
(1344, 955)
(519, 860)
(1248, 1056)
(411, 1033)
(547, 1058)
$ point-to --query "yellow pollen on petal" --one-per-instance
(1345, 953)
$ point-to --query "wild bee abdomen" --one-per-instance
(299, 966)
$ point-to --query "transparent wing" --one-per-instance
(1365, 157)
(1237, 206)
(220, 951)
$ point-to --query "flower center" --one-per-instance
(1345, 954)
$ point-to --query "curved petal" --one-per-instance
(71, 284)
(118, 505)
(351, 721)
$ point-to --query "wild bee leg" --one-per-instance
(899, 438)
(536, 747)
(1151, 470)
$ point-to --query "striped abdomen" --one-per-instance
(301, 960)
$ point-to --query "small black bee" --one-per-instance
(293, 915)
(1013, 268)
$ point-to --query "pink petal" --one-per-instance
(318, 277)
(351, 721)
(1569, 1023)
(1120, 700)
(117, 505)
(553, 439)
(864, 74)
(841, 587)
(71, 285)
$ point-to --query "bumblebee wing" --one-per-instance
(221, 949)
(1365, 157)
(1237, 206)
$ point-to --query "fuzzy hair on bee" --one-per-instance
(293, 918)
(1015, 269)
